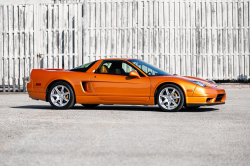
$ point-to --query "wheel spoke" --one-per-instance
(65, 99)
(169, 105)
(174, 103)
(163, 102)
(167, 92)
(163, 96)
(58, 92)
(176, 97)
(62, 90)
(61, 100)
(172, 92)
(66, 93)
(55, 95)
(57, 99)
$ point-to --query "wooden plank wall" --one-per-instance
(59, 26)
(37, 36)
(201, 38)
(16, 45)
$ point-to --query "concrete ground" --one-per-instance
(32, 133)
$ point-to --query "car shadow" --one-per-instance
(117, 108)
(45, 107)
(205, 109)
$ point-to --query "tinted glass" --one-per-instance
(117, 67)
(148, 69)
(84, 68)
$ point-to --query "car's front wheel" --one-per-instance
(61, 95)
(170, 98)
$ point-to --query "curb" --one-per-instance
(234, 85)
(10, 93)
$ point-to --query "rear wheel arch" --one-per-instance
(50, 85)
(164, 83)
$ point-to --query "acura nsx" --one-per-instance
(121, 81)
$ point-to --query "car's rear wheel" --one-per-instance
(90, 105)
(170, 98)
(61, 95)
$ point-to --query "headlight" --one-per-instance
(212, 81)
(198, 83)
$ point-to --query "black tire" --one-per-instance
(177, 92)
(90, 105)
(67, 94)
(194, 107)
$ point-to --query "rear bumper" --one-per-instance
(203, 104)
(37, 96)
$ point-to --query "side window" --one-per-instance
(108, 64)
(111, 67)
(116, 67)
(127, 68)
(144, 68)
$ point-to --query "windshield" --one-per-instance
(84, 68)
(147, 68)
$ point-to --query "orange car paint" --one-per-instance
(95, 88)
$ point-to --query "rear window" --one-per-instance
(84, 67)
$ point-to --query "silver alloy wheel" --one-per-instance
(60, 95)
(169, 98)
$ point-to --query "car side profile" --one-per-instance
(121, 81)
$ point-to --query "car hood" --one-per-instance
(206, 82)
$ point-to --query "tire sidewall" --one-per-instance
(181, 95)
(72, 96)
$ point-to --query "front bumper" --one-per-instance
(206, 96)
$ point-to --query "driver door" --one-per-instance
(112, 82)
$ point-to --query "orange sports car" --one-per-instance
(121, 81)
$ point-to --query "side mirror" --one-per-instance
(134, 74)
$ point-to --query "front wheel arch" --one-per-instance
(49, 86)
(159, 87)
